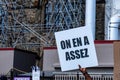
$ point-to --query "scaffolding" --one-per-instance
(30, 24)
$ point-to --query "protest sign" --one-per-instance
(76, 46)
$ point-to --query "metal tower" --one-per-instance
(30, 24)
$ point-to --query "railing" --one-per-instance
(79, 76)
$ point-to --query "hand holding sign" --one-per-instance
(83, 70)
(85, 73)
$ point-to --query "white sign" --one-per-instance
(76, 47)
(35, 73)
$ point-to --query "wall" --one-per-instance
(6, 60)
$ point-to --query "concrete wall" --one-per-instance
(50, 59)
(6, 60)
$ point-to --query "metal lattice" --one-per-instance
(30, 24)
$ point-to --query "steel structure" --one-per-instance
(30, 24)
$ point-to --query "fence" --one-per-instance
(78, 76)
(74, 76)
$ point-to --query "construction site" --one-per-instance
(28, 26)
